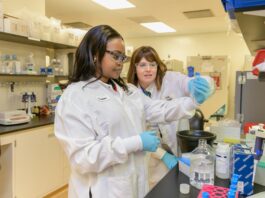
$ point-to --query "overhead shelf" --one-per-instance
(243, 5)
(23, 75)
(253, 30)
(252, 26)
(31, 41)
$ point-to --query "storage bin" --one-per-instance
(1, 10)
(1, 24)
(15, 26)
(34, 29)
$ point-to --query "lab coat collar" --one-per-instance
(151, 88)
(94, 82)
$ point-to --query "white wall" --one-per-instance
(180, 47)
(12, 100)
(11, 7)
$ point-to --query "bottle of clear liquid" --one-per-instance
(30, 66)
(16, 66)
(55, 67)
(7, 68)
(222, 167)
(202, 165)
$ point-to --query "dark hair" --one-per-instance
(93, 46)
(150, 55)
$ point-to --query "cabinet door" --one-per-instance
(38, 165)
(30, 163)
(6, 166)
(53, 170)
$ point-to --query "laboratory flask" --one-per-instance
(202, 165)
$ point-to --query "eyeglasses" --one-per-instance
(119, 57)
(144, 65)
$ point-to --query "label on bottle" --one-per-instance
(240, 186)
(221, 164)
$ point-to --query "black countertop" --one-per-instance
(169, 186)
(37, 121)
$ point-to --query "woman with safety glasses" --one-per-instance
(150, 74)
(100, 121)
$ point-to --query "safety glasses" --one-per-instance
(118, 57)
(152, 65)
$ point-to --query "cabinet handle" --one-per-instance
(51, 135)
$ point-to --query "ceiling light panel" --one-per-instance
(158, 27)
(114, 4)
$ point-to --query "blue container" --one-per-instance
(190, 71)
(242, 4)
(43, 71)
(243, 166)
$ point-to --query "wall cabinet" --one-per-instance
(39, 163)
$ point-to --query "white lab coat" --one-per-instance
(99, 131)
(174, 85)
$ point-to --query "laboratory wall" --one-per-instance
(212, 44)
(11, 99)
(11, 7)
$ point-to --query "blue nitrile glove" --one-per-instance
(150, 141)
(169, 160)
(199, 89)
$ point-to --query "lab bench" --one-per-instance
(30, 152)
(36, 121)
(169, 186)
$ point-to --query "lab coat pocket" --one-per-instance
(122, 186)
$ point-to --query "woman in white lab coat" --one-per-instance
(150, 74)
(100, 121)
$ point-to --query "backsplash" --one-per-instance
(12, 100)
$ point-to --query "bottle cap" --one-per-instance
(205, 195)
(190, 71)
(184, 188)
(235, 176)
(231, 194)
(233, 187)
(197, 74)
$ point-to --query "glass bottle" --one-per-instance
(202, 165)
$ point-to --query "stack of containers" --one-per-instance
(1, 17)
(54, 93)
(243, 165)
(16, 26)
(32, 21)
(55, 25)
(45, 28)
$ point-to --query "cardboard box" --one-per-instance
(243, 165)
(227, 134)
(1, 24)
(1, 10)
(15, 26)
(1, 17)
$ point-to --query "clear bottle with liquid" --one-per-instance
(202, 165)
(16, 66)
(30, 66)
